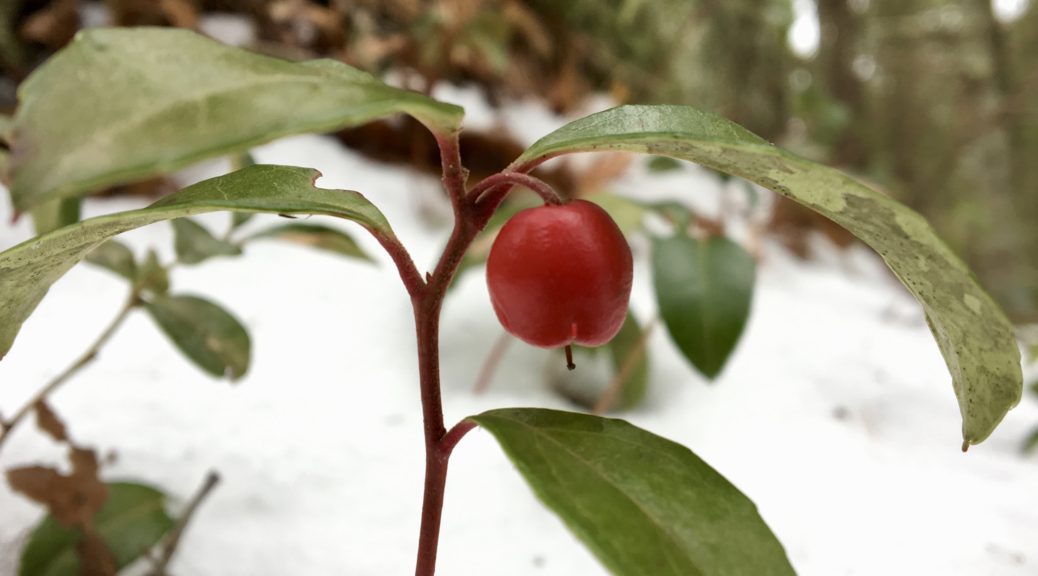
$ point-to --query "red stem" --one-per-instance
(404, 264)
(454, 435)
(488, 184)
(427, 302)
(492, 196)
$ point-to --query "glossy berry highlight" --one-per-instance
(561, 275)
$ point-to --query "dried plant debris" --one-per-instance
(72, 498)
(49, 422)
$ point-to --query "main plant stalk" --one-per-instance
(427, 301)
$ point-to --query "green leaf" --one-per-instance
(206, 333)
(315, 236)
(54, 214)
(629, 353)
(972, 331)
(149, 100)
(704, 289)
(644, 505)
(194, 244)
(1031, 442)
(115, 257)
(238, 219)
(28, 269)
(132, 521)
(239, 161)
(663, 164)
(152, 276)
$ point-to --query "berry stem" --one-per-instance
(542, 188)
(569, 358)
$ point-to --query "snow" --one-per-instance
(836, 414)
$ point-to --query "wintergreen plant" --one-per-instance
(124, 104)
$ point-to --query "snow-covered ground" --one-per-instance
(836, 414)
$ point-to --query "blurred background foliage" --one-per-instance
(933, 101)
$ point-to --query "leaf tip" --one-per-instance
(233, 374)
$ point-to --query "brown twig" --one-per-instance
(486, 373)
(86, 358)
(172, 540)
(608, 398)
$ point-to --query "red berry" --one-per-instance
(560, 275)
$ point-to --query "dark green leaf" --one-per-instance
(643, 504)
(724, 177)
(206, 333)
(132, 521)
(704, 289)
(315, 236)
(194, 244)
(115, 257)
(1031, 442)
(54, 214)
(238, 219)
(663, 164)
(152, 276)
(149, 100)
(28, 270)
(972, 331)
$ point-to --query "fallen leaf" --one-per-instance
(73, 499)
(48, 421)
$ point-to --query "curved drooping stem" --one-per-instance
(493, 190)
(488, 184)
